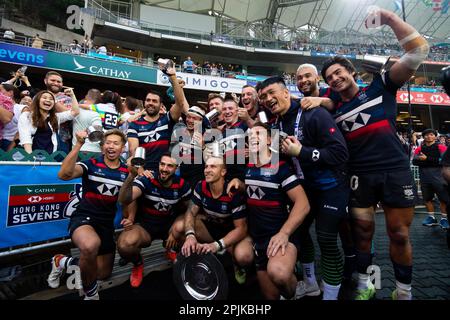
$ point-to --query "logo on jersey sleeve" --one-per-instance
(315, 155)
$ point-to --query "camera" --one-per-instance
(165, 64)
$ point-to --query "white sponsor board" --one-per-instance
(206, 83)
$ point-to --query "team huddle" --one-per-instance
(250, 176)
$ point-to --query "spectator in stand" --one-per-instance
(102, 50)
(428, 157)
(6, 111)
(131, 112)
(188, 65)
(20, 80)
(37, 42)
(75, 47)
(87, 118)
(110, 109)
(442, 139)
(38, 128)
(10, 131)
(214, 70)
(9, 35)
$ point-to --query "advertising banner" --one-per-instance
(35, 205)
(207, 83)
(437, 99)
(22, 55)
(97, 67)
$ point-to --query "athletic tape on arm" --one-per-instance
(414, 57)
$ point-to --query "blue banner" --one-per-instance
(35, 205)
(22, 55)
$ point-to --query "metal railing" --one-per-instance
(199, 36)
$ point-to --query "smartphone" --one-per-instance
(22, 69)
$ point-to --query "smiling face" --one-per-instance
(46, 102)
(214, 169)
(339, 78)
(167, 168)
(307, 81)
(192, 120)
(152, 104)
(276, 98)
(249, 98)
(217, 104)
(259, 140)
(230, 112)
(113, 147)
(54, 83)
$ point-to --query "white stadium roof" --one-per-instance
(326, 15)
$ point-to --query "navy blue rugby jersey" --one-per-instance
(101, 186)
(156, 205)
(368, 125)
(153, 136)
(222, 210)
(267, 199)
(233, 139)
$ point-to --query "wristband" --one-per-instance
(218, 246)
(222, 243)
(189, 233)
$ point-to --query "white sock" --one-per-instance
(363, 281)
(62, 262)
(308, 273)
(404, 289)
(330, 292)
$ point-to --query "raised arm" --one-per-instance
(69, 167)
(128, 193)
(415, 46)
(181, 104)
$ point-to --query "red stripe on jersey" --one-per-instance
(263, 203)
(370, 128)
(177, 185)
(225, 199)
(205, 189)
(141, 122)
(327, 93)
(101, 165)
(102, 197)
(123, 169)
(156, 183)
(155, 143)
(155, 212)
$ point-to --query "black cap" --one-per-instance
(427, 131)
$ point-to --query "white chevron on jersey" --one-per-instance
(362, 107)
(104, 180)
(261, 183)
(255, 192)
(108, 189)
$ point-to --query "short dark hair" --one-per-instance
(155, 93)
(338, 60)
(248, 86)
(270, 81)
(214, 95)
(16, 93)
(52, 73)
(116, 132)
(131, 103)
